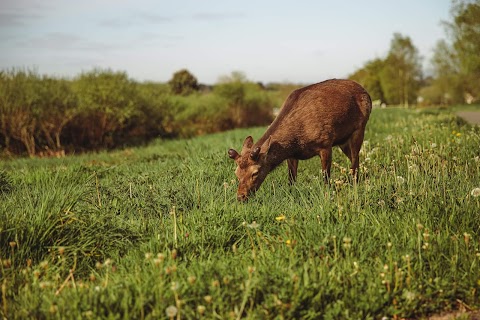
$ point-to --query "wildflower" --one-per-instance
(171, 311)
(208, 298)
(253, 225)
(174, 254)
(174, 286)
(475, 192)
(191, 279)
(400, 180)
(347, 243)
(161, 257)
(61, 250)
(215, 283)
(425, 246)
(201, 309)
(466, 237)
(148, 255)
(225, 185)
(251, 269)
(458, 134)
(280, 218)
(381, 203)
(433, 145)
(13, 244)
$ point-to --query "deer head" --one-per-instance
(252, 166)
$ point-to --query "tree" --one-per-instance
(402, 73)
(464, 32)
(183, 83)
(107, 100)
(369, 78)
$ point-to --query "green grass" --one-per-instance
(128, 234)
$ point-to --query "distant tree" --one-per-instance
(369, 78)
(183, 83)
(402, 72)
(464, 32)
(107, 100)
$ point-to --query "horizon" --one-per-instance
(270, 42)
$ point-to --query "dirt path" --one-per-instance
(472, 117)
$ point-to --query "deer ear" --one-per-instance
(233, 154)
(248, 143)
(266, 145)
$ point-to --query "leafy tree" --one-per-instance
(464, 32)
(107, 101)
(369, 78)
(183, 83)
(401, 75)
(58, 108)
(19, 101)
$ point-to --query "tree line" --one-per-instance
(454, 77)
(102, 109)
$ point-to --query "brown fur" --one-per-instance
(313, 119)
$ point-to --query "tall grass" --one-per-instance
(156, 232)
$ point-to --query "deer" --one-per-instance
(312, 120)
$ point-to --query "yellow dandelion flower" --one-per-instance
(280, 218)
(458, 134)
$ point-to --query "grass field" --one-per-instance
(156, 233)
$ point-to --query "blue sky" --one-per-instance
(270, 41)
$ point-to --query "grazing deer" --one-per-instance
(312, 120)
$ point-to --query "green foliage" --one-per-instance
(395, 79)
(183, 83)
(369, 77)
(145, 231)
(105, 109)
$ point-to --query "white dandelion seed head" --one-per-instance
(475, 192)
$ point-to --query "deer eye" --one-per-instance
(254, 174)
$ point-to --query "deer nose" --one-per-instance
(241, 197)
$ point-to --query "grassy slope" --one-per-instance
(130, 233)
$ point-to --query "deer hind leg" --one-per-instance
(292, 170)
(352, 150)
(326, 156)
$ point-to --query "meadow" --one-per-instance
(156, 232)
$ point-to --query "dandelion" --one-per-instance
(161, 257)
(466, 237)
(280, 218)
(201, 309)
(433, 145)
(475, 192)
(174, 254)
(251, 269)
(171, 311)
(215, 283)
(208, 298)
(458, 134)
(191, 279)
(174, 286)
(61, 250)
(381, 203)
(13, 244)
(253, 225)
(148, 255)
(400, 179)
(347, 243)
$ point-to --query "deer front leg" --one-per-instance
(292, 170)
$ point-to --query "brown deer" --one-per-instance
(312, 120)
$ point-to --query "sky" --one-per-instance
(299, 41)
